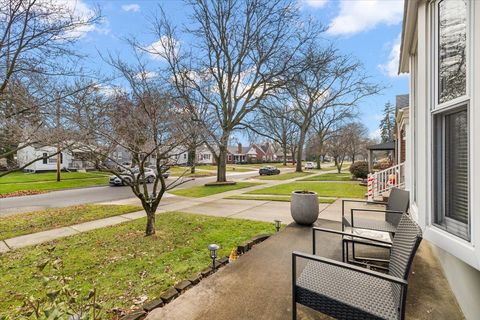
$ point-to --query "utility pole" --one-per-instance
(59, 151)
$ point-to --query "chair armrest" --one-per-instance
(339, 264)
(348, 234)
(358, 201)
(364, 201)
(370, 210)
(376, 210)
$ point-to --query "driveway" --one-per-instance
(65, 198)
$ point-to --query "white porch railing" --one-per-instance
(382, 181)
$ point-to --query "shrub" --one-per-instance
(359, 169)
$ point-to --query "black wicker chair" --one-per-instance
(397, 204)
(346, 291)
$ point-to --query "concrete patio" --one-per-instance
(258, 285)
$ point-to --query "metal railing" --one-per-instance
(384, 180)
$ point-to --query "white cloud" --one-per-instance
(146, 75)
(157, 49)
(313, 3)
(390, 68)
(77, 10)
(361, 15)
(108, 90)
(131, 7)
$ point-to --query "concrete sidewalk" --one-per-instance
(258, 285)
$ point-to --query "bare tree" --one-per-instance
(323, 125)
(36, 46)
(240, 54)
(337, 147)
(324, 79)
(143, 119)
(273, 120)
(356, 138)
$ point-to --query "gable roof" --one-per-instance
(402, 101)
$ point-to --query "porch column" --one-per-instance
(370, 159)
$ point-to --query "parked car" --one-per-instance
(268, 170)
(309, 166)
(127, 178)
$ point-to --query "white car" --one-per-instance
(309, 166)
(127, 178)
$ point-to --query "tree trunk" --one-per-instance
(150, 230)
(319, 160)
(222, 165)
(285, 156)
(301, 142)
(338, 165)
(59, 159)
(192, 156)
(222, 158)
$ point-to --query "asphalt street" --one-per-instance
(65, 198)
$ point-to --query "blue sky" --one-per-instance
(367, 29)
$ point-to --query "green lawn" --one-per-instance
(6, 188)
(285, 176)
(123, 264)
(324, 189)
(21, 177)
(273, 198)
(330, 177)
(203, 191)
(36, 221)
(178, 171)
(230, 167)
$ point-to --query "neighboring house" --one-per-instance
(401, 127)
(279, 156)
(70, 160)
(440, 48)
(262, 153)
(237, 154)
(204, 156)
(120, 155)
(179, 156)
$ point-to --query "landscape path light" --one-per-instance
(278, 224)
(213, 248)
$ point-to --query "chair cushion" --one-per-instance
(371, 224)
(373, 234)
(346, 294)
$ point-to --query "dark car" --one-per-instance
(268, 170)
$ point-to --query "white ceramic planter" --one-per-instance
(304, 207)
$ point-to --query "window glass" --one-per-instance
(452, 40)
(451, 166)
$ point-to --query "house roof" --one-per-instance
(402, 101)
(382, 146)
(234, 150)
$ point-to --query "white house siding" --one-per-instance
(179, 156)
(205, 156)
(459, 258)
(31, 153)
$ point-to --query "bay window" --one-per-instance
(450, 118)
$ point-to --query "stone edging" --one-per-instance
(173, 292)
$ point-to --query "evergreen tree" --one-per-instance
(387, 124)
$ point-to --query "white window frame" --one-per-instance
(461, 248)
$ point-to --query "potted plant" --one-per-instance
(304, 207)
